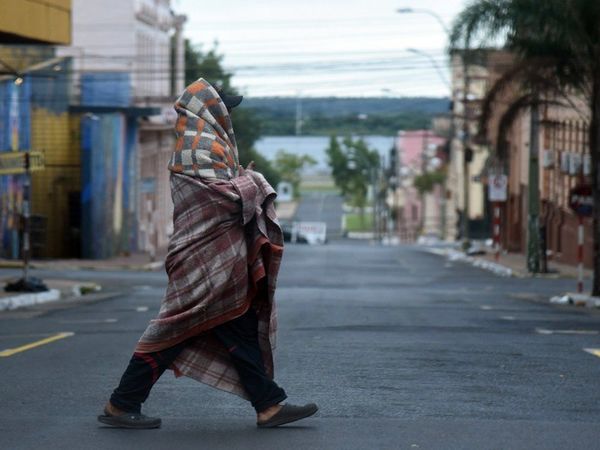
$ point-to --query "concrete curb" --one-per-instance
(455, 255)
(24, 300)
(148, 267)
(576, 299)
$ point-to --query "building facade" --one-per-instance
(417, 213)
(563, 157)
(35, 22)
(473, 74)
(34, 117)
(132, 69)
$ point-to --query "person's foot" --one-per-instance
(281, 414)
(116, 417)
(268, 413)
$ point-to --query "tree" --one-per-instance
(247, 126)
(426, 182)
(561, 40)
(290, 167)
(353, 167)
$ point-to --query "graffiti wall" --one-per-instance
(15, 118)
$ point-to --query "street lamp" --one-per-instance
(428, 12)
(435, 65)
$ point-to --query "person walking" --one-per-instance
(217, 320)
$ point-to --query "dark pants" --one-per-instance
(239, 336)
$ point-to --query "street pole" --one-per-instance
(533, 234)
(298, 114)
(465, 149)
(374, 201)
(580, 241)
(496, 231)
(26, 218)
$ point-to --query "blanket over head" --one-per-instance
(226, 248)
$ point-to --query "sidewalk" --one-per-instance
(57, 289)
(517, 262)
(515, 265)
(136, 261)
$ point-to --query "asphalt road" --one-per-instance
(322, 207)
(400, 349)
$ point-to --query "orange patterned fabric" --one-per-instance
(205, 146)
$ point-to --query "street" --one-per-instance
(322, 207)
(399, 348)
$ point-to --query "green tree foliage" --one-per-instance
(557, 39)
(247, 126)
(290, 166)
(425, 183)
(352, 166)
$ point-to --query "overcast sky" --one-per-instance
(325, 47)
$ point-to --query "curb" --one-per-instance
(455, 255)
(576, 299)
(31, 299)
(148, 267)
(25, 300)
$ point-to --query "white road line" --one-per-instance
(584, 332)
(508, 317)
(486, 308)
(141, 309)
(111, 320)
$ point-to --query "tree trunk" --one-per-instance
(595, 156)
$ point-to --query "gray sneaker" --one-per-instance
(130, 420)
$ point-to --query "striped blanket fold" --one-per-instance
(226, 249)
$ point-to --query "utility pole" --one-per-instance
(298, 114)
(466, 151)
(533, 231)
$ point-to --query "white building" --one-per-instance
(141, 40)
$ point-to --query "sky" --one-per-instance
(326, 47)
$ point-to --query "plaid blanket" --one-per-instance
(223, 257)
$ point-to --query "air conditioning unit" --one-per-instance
(547, 158)
(564, 162)
(587, 165)
(574, 163)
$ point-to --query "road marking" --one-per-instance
(486, 308)
(143, 287)
(508, 317)
(89, 321)
(593, 351)
(48, 340)
(141, 309)
(545, 331)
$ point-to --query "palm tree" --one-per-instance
(559, 39)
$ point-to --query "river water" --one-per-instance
(315, 146)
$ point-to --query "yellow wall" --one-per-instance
(46, 21)
(57, 136)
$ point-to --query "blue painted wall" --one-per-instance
(18, 99)
(108, 181)
(106, 89)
